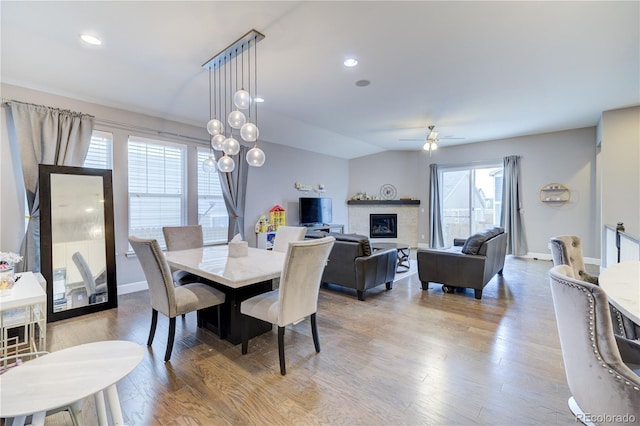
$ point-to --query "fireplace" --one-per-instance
(383, 225)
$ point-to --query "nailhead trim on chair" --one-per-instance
(592, 335)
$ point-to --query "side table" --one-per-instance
(23, 317)
(404, 251)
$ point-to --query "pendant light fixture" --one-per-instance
(243, 99)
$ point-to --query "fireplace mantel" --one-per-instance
(383, 202)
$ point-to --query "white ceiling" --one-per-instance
(477, 70)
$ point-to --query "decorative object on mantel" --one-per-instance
(554, 194)
(363, 196)
(388, 192)
(242, 100)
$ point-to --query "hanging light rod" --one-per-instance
(233, 49)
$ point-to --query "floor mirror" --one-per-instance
(77, 243)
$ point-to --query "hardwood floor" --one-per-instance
(404, 356)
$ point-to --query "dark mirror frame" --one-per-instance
(46, 244)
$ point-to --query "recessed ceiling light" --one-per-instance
(350, 62)
(91, 39)
(258, 99)
(362, 83)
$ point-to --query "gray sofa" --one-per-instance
(352, 263)
(471, 263)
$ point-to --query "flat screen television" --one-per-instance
(315, 210)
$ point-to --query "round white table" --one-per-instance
(621, 282)
(65, 377)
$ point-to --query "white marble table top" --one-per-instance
(621, 282)
(65, 376)
(26, 291)
(214, 263)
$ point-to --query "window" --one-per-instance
(156, 187)
(472, 200)
(212, 212)
(100, 155)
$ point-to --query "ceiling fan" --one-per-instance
(431, 140)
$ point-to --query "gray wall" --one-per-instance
(567, 157)
(620, 174)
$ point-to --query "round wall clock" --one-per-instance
(388, 191)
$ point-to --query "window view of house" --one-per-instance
(157, 195)
(472, 200)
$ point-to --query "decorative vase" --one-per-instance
(6, 279)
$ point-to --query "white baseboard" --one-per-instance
(132, 287)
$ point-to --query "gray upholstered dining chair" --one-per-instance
(602, 369)
(297, 296)
(167, 298)
(286, 234)
(183, 238)
(567, 250)
(93, 289)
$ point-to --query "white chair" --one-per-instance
(602, 369)
(297, 296)
(165, 297)
(183, 238)
(286, 234)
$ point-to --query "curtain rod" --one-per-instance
(125, 126)
(116, 124)
(10, 101)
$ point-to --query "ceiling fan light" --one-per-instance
(434, 146)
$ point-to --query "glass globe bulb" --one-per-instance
(215, 127)
(241, 99)
(236, 119)
(230, 146)
(434, 146)
(255, 157)
(249, 132)
(209, 165)
(217, 141)
(226, 164)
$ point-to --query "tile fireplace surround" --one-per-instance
(359, 212)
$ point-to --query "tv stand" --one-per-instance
(326, 227)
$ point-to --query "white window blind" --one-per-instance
(156, 187)
(100, 151)
(212, 212)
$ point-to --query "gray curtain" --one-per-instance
(511, 219)
(436, 234)
(45, 136)
(234, 190)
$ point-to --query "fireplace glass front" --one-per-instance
(383, 225)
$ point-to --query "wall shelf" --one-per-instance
(554, 194)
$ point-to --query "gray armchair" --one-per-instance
(602, 369)
(567, 250)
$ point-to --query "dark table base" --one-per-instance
(231, 319)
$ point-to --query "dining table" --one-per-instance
(239, 278)
(621, 282)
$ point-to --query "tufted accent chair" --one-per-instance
(567, 250)
(602, 370)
